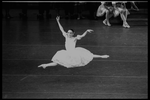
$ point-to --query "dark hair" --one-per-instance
(72, 30)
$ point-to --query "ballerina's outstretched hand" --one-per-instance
(58, 18)
(89, 30)
(43, 65)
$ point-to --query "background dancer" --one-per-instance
(113, 9)
(120, 8)
(105, 7)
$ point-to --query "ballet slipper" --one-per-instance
(42, 65)
(104, 22)
(126, 25)
(108, 24)
(105, 56)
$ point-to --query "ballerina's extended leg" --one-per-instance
(48, 65)
(107, 17)
(100, 56)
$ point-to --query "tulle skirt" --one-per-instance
(101, 11)
(73, 58)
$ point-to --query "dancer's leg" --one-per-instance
(133, 6)
(100, 56)
(105, 20)
(126, 13)
(48, 65)
(107, 17)
(123, 17)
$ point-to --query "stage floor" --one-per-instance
(27, 44)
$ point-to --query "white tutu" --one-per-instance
(101, 11)
(116, 12)
(73, 58)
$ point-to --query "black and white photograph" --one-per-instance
(74, 49)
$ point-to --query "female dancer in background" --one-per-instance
(73, 56)
(120, 8)
(105, 8)
(114, 9)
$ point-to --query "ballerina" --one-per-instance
(120, 8)
(73, 56)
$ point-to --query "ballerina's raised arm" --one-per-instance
(60, 26)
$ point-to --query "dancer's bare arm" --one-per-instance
(81, 36)
(60, 27)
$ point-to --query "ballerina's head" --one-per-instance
(70, 32)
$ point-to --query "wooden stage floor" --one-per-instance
(27, 44)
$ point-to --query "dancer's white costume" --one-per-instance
(72, 56)
(101, 10)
